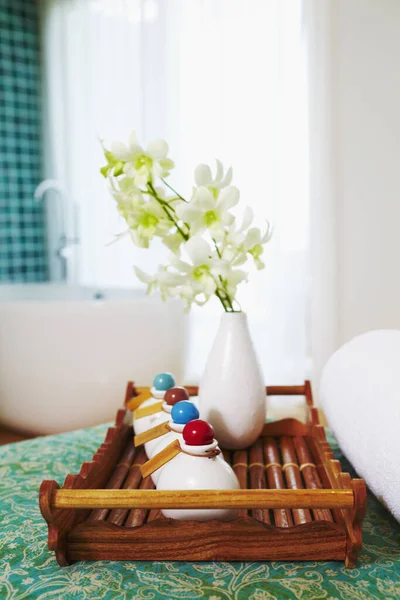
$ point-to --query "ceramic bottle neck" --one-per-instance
(176, 427)
(199, 450)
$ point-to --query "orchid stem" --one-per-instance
(172, 190)
(225, 291)
(217, 293)
(166, 209)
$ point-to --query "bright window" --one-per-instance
(216, 78)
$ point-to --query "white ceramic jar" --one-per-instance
(161, 384)
(181, 413)
(155, 446)
(194, 469)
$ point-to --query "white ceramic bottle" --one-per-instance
(182, 413)
(232, 394)
(162, 382)
(197, 469)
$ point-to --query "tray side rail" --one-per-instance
(93, 474)
(332, 477)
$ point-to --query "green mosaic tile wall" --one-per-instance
(23, 255)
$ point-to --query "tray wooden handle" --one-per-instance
(91, 499)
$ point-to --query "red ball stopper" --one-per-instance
(198, 433)
(176, 394)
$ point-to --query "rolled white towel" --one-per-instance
(360, 394)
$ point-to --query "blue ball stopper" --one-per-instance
(183, 412)
(163, 381)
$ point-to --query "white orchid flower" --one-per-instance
(145, 215)
(253, 244)
(206, 242)
(143, 166)
(232, 280)
(128, 202)
(150, 280)
(197, 278)
(206, 212)
(202, 268)
(145, 219)
(237, 243)
(166, 282)
(232, 240)
(173, 242)
(206, 274)
(203, 177)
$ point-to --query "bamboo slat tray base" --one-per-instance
(296, 503)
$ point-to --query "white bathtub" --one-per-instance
(65, 356)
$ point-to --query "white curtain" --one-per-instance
(215, 78)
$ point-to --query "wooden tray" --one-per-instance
(295, 502)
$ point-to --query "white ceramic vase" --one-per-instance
(232, 393)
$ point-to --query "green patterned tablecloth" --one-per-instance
(29, 570)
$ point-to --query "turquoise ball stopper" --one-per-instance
(163, 381)
(183, 412)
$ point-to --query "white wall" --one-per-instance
(366, 147)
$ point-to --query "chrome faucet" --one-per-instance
(63, 249)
